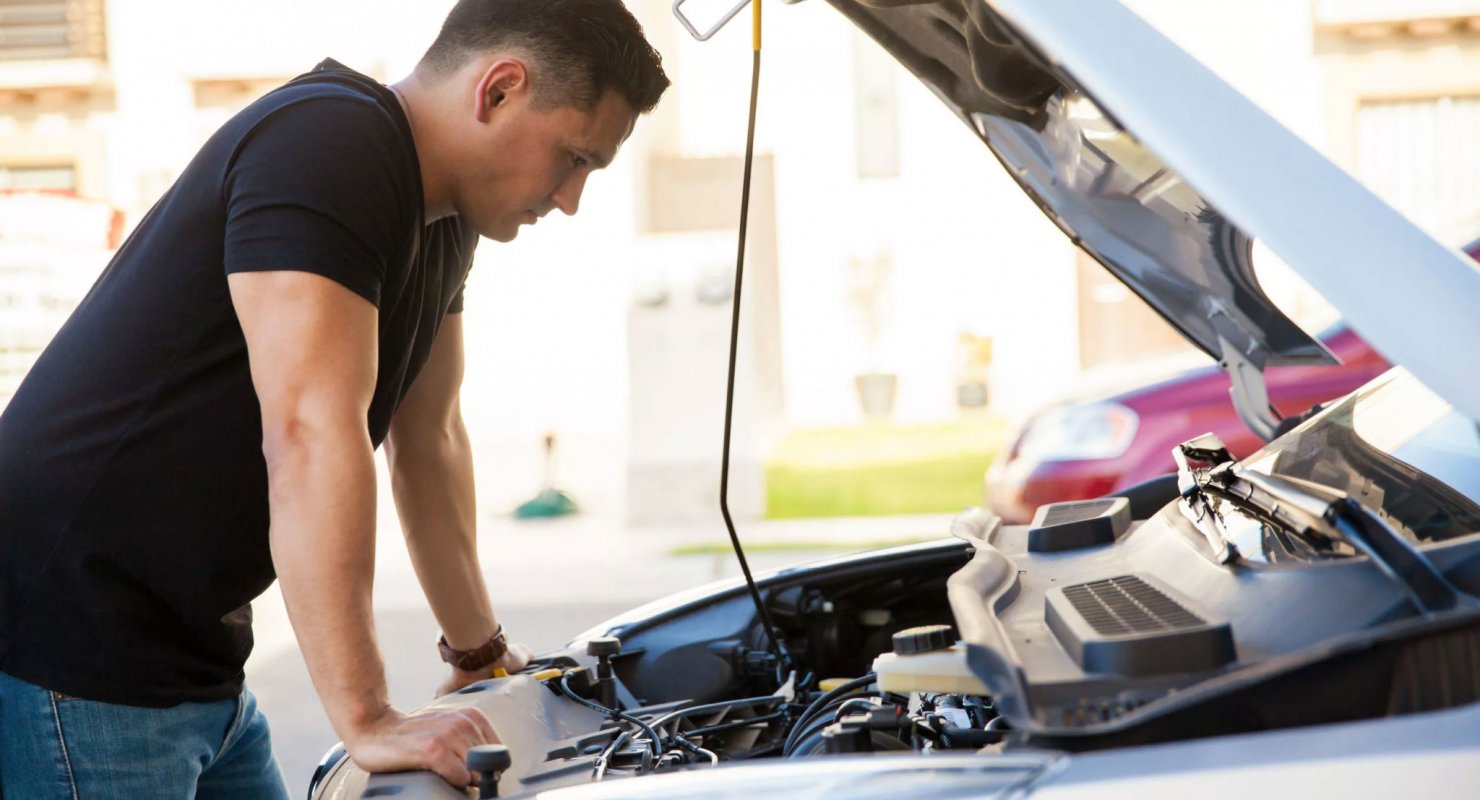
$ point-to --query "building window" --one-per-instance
(1420, 156)
(46, 29)
(45, 179)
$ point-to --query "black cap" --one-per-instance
(489, 758)
(924, 639)
(604, 646)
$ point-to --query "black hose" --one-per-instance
(822, 702)
(822, 714)
(657, 744)
(822, 718)
(838, 710)
(806, 733)
(604, 760)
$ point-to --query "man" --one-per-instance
(206, 420)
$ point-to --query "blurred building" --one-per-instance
(51, 244)
(891, 260)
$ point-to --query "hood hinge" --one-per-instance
(1249, 392)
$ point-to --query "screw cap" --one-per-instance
(604, 646)
(924, 639)
(489, 758)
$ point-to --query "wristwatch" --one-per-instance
(477, 658)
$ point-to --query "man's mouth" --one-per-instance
(530, 217)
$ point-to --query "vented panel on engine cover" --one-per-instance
(1127, 626)
(1084, 523)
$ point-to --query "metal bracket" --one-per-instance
(1249, 392)
(694, 32)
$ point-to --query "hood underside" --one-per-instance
(1165, 175)
(1109, 194)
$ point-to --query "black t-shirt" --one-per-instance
(133, 490)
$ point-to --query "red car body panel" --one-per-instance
(1171, 412)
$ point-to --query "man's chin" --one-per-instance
(499, 233)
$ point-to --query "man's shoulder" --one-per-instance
(331, 93)
(330, 79)
(330, 101)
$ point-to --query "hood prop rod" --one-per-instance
(783, 659)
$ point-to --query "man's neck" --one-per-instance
(416, 99)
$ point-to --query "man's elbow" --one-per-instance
(414, 446)
(293, 441)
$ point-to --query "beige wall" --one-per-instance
(1388, 61)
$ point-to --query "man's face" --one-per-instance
(522, 162)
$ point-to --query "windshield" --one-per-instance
(1397, 448)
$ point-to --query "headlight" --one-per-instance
(1073, 433)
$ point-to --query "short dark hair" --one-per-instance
(577, 49)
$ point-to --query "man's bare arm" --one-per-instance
(312, 345)
(431, 465)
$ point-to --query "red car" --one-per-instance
(1091, 449)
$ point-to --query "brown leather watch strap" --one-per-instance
(477, 658)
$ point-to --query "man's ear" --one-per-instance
(502, 79)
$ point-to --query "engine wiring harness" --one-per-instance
(853, 716)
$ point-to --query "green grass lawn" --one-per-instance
(880, 469)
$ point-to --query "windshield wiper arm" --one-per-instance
(1305, 506)
(1311, 511)
(1195, 460)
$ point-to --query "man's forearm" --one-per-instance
(322, 495)
(432, 477)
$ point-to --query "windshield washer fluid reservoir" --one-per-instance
(942, 671)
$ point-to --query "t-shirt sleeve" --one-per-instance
(315, 188)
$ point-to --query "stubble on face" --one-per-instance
(532, 161)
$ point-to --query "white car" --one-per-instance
(1301, 622)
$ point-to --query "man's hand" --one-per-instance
(436, 740)
(513, 661)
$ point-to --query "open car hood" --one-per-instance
(1165, 175)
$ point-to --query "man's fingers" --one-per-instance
(450, 760)
(436, 740)
(455, 774)
(461, 730)
(485, 726)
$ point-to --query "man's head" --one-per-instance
(534, 95)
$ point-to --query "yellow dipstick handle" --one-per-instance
(548, 674)
(755, 25)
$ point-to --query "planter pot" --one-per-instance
(876, 393)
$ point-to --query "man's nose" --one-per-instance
(567, 196)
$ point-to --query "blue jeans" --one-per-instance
(57, 747)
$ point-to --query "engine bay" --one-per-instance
(997, 640)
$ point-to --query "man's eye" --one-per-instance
(577, 161)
